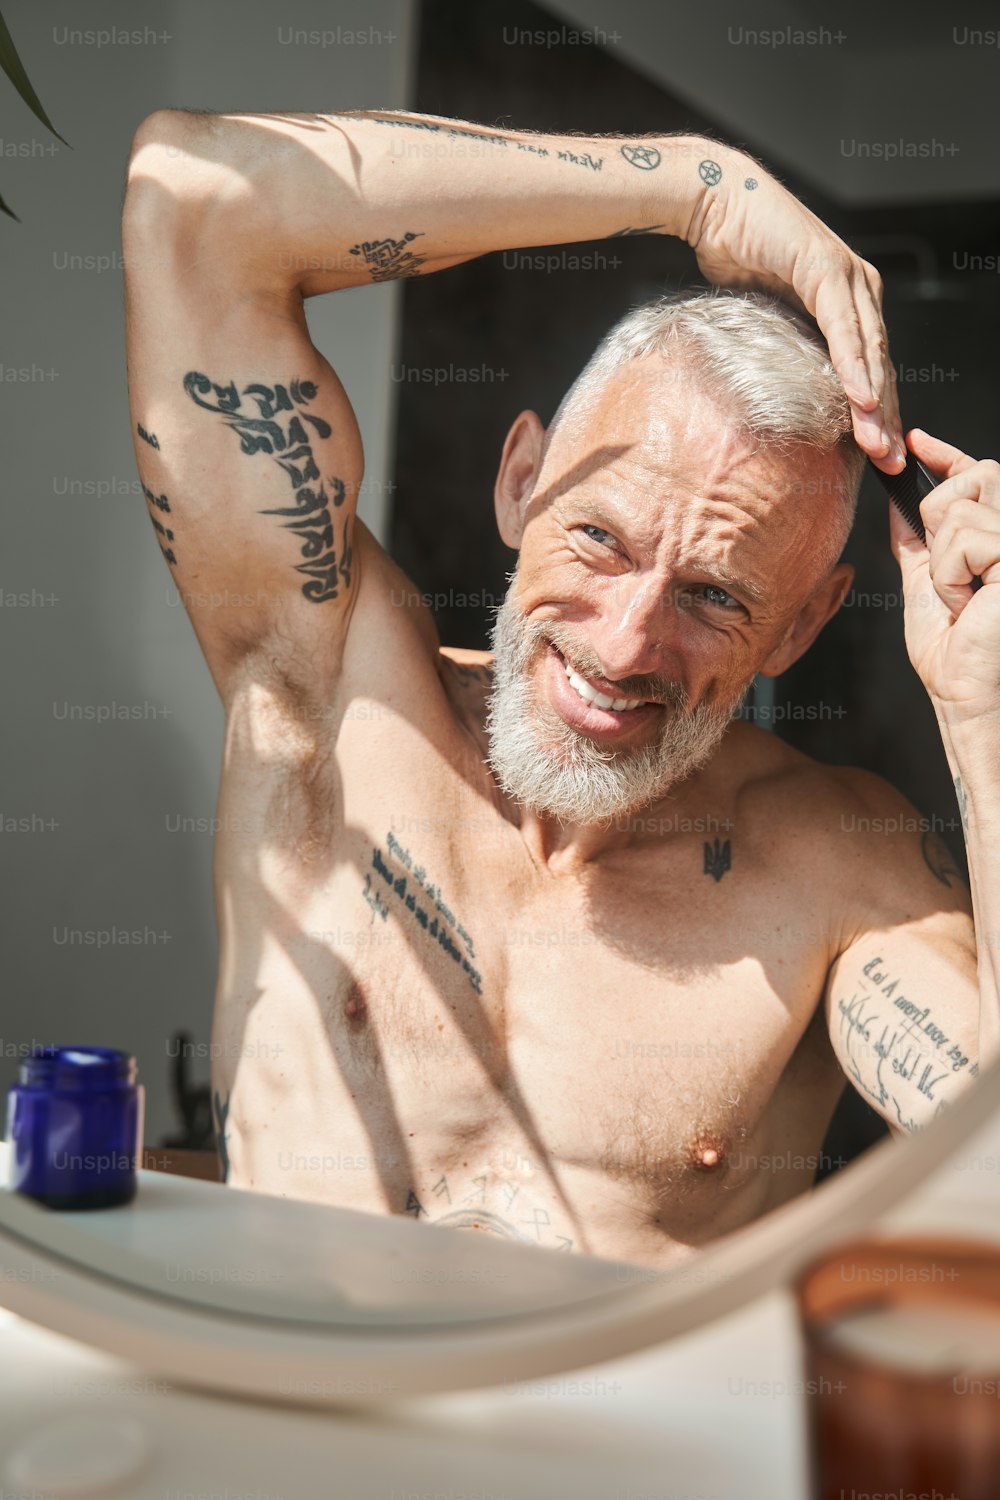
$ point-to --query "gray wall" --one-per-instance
(826, 91)
(91, 622)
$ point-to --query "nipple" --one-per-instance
(707, 1152)
(355, 1006)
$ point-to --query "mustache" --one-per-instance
(654, 689)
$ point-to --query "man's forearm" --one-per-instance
(342, 200)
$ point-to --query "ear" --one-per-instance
(520, 462)
(818, 609)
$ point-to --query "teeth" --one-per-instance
(599, 700)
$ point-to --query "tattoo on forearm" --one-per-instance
(221, 1111)
(913, 1055)
(389, 259)
(646, 158)
(963, 805)
(937, 859)
(622, 233)
(586, 160)
(718, 859)
(710, 172)
(310, 517)
(435, 921)
(147, 437)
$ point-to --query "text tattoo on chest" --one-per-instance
(311, 517)
(422, 899)
(914, 1054)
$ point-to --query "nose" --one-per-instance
(635, 633)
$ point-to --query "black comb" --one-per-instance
(906, 490)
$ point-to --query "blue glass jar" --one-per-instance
(74, 1127)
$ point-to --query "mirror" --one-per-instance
(612, 1054)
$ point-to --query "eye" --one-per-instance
(718, 596)
(708, 593)
(601, 533)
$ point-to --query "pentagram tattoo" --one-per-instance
(646, 158)
(710, 172)
(750, 184)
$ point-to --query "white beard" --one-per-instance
(551, 768)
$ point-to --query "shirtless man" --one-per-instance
(492, 954)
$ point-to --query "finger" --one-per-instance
(954, 498)
(957, 556)
(964, 515)
(837, 315)
(940, 458)
(891, 453)
(877, 341)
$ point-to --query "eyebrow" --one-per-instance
(734, 583)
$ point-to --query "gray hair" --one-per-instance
(762, 360)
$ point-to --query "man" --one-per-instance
(544, 943)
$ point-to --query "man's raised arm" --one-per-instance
(247, 446)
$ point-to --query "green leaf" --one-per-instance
(14, 68)
(6, 210)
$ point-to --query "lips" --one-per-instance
(587, 716)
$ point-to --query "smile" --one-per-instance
(586, 708)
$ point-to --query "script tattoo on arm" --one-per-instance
(311, 515)
(164, 533)
(898, 1056)
(389, 259)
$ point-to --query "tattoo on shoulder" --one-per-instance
(389, 259)
(325, 565)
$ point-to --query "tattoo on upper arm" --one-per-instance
(162, 504)
(937, 859)
(221, 1111)
(905, 1061)
(291, 446)
(148, 437)
(389, 259)
(710, 172)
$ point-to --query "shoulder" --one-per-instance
(848, 833)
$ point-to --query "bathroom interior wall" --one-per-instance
(113, 730)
